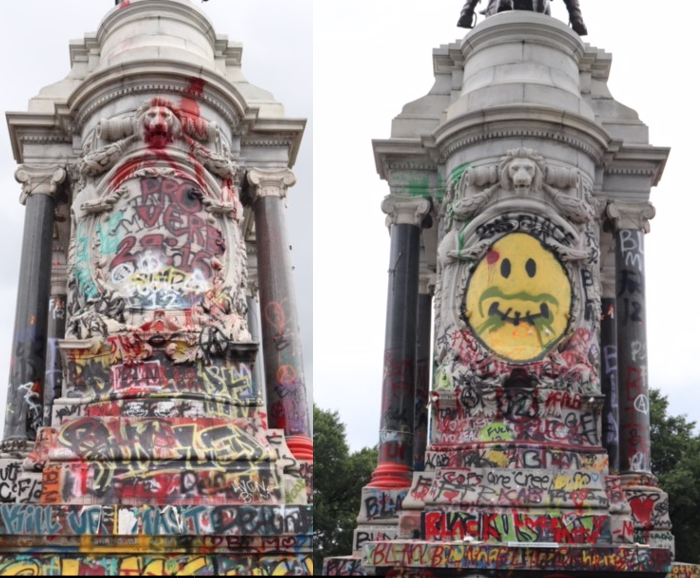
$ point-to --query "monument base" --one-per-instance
(430, 559)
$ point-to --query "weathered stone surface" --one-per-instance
(520, 165)
(156, 455)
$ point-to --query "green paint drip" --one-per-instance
(440, 193)
(109, 236)
(457, 172)
(418, 187)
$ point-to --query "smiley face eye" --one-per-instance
(531, 267)
(505, 268)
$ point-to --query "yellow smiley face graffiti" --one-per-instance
(518, 299)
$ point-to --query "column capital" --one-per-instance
(426, 283)
(626, 215)
(41, 180)
(270, 182)
(252, 289)
(405, 210)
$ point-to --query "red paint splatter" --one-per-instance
(492, 257)
(125, 172)
(192, 122)
(124, 4)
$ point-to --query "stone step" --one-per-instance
(163, 482)
(159, 544)
(511, 525)
(120, 520)
(527, 487)
(501, 454)
(137, 564)
(66, 409)
(126, 438)
(601, 561)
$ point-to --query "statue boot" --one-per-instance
(575, 17)
(467, 18)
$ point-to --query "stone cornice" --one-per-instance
(523, 121)
(39, 180)
(270, 182)
(115, 83)
(596, 61)
(35, 128)
(401, 154)
(638, 160)
(405, 210)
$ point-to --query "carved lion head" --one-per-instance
(521, 170)
(160, 124)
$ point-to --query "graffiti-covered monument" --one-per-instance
(518, 205)
(142, 435)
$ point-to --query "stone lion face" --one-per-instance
(160, 126)
(521, 173)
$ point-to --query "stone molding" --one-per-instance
(39, 180)
(550, 134)
(405, 211)
(267, 143)
(271, 182)
(411, 166)
(630, 215)
(166, 87)
(59, 280)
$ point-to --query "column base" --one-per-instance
(302, 447)
(649, 505)
(389, 476)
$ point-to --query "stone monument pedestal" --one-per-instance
(539, 163)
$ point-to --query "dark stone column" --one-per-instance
(630, 222)
(284, 369)
(395, 467)
(53, 385)
(423, 368)
(24, 414)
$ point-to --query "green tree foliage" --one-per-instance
(675, 459)
(338, 480)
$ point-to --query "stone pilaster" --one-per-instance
(56, 331)
(284, 368)
(426, 286)
(24, 414)
(608, 363)
(253, 301)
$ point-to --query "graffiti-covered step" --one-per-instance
(128, 366)
(155, 565)
(118, 520)
(497, 454)
(163, 482)
(66, 409)
(504, 525)
(125, 438)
